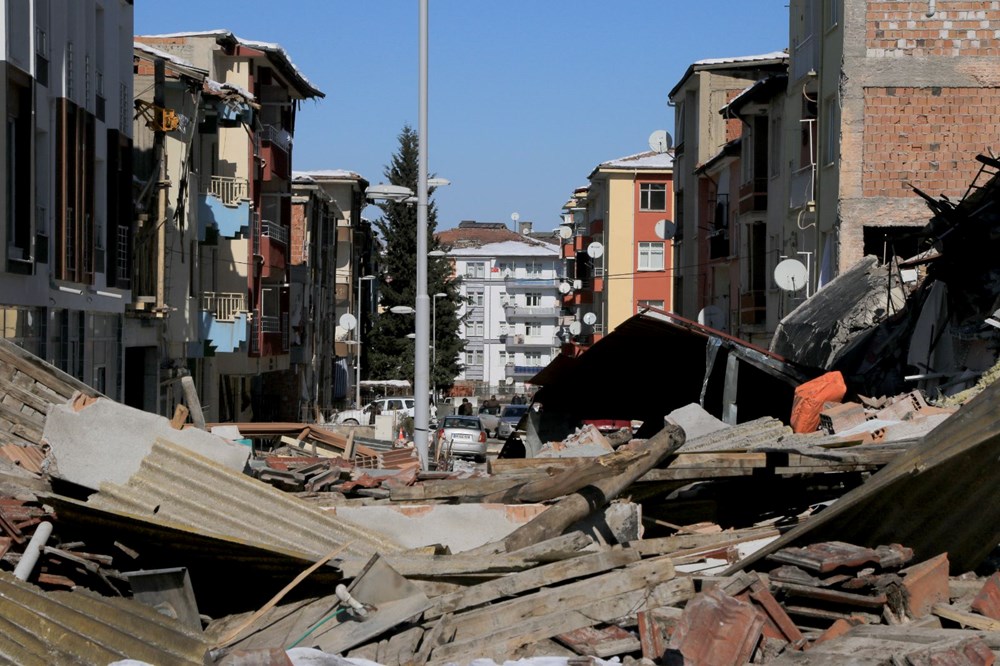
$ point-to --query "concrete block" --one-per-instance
(695, 421)
(106, 441)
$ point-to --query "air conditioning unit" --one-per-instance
(577, 284)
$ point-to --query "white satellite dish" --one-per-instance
(565, 231)
(595, 250)
(712, 316)
(575, 328)
(665, 229)
(660, 141)
(515, 216)
(509, 381)
(590, 319)
(565, 287)
(791, 275)
(348, 321)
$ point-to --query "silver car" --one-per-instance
(462, 436)
(510, 417)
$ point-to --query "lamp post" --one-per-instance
(434, 347)
(421, 419)
(357, 347)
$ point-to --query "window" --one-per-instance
(533, 359)
(476, 299)
(531, 329)
(652, 196)
(533, 269)
(474, 357)
(651, 304)
(505, 269)
(650, 256)
(831, 122)
(475, 269)
(473, 329)
(532, 299)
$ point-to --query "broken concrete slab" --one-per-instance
(695, 421)
(107, 441)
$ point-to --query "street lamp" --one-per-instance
(434, 349)
(357, 350)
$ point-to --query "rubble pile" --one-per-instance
(763, 509)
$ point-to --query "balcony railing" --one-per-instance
(223, 305)
(530, 281)
(230, 191)
(529, 311)
(523, 370)
(520, 340)
(270, 324)
(275, 231)
(276, 136)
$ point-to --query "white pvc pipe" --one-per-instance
(38, 540)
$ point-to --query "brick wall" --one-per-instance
(958, 27)
(926, 136)
(297, 235)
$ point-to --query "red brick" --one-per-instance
(926, 584)
(987, 602)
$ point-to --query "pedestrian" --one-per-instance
(516, 400)
(465, 409)
(433, 412)
(493, 405)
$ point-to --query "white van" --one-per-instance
(403, 406)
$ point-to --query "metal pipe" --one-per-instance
(38, 540)
(421, 414)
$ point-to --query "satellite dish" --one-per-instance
(565, 288)
(660, 141)
(575, 328)
(590, 319)
(595, 250)
(791, 275)
(712, 316)
(509, 381)
(515, 216)
(665, 229)
(347, 321)
(565, 231)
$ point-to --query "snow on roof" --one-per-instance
(773, 55)
(646, 160)
(328, 173)
(220, 88)
(267, 47)
(510, 248)
(168, 57)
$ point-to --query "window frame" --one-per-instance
(646, 193)
(645, 250)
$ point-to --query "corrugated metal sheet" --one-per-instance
(180, 487)
(42, 628)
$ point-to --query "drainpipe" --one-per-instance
(38, 540)
(931, 8)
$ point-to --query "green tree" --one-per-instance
(390, 352)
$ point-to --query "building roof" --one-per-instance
(327, 174)
(492, 241)
(730, 149)
(736, 62)
(761, 90)
(647, 161)
(275, 53)
(178, 64)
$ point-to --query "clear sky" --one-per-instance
(526, 97)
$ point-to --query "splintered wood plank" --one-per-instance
(604, 642)
(965, 617)
(399, 648)
(534, 626)
(518, 583)
(680, 542)
(489, 619)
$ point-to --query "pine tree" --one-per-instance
(390, 353)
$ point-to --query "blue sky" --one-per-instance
(526, 97)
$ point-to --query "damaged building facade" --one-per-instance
(824, 143)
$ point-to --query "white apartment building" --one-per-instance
(510, 318)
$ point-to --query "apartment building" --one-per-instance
(701, 135)
(235, 190)
(64, 275)
(617, 253)
(511, 313)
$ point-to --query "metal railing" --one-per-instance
(277, 136)
(278, 233)
(511, 370)
(224, 305)
(270, 324)
(230, 191)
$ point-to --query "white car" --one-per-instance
(363, 416)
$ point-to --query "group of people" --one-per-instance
(520, 399)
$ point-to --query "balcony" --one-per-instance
(528, 281)
(522, 371)
(276, 136)
(520, 341)
(224, 306)
(230, 191)
(753, 308)
(275, 231)
(513, 311)
(753, 195)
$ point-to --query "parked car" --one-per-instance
(509, 418)
(401, 405)
(490, 419)
(462, 436)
